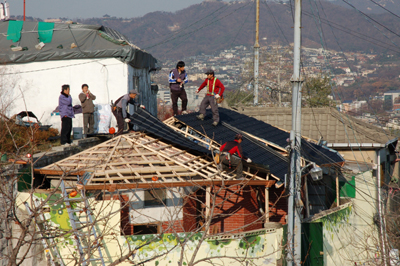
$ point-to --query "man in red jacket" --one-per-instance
(215, 90)
(228, 161)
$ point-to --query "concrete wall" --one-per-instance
(349, 233)
(37, 86)
(261, 247)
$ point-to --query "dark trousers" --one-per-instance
(88, 123)
(236, 163)
(121, 121)
(66, 128)
(175, 94)
(212, 102)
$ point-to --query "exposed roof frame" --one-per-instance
(134, 160)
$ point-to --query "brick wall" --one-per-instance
(277, 205)
(236, 210)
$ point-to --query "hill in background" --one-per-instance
(212, 26)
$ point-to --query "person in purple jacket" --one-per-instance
(66, 113)
(177, 80)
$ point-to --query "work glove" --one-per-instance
(127, 120)
(142, 106)
(248, 160)
(217, 96)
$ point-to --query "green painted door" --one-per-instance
(312, 246)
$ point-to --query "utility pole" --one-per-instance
(279, 82)
(24, 10)
(256, 53)
(294, 208)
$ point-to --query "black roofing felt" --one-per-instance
(278, 165)
(151, 124)
(310, 151)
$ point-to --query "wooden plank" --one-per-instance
(111, 153)
(267, 183)
(162, 148)
(204, 166)
(120, 163)
(142, 177)
(65, 177)
(212, 143)
(177, 153)
(145, 170)
(57, 172)
(166, 156)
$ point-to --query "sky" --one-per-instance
(95, 8)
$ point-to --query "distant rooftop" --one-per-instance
(333, 126)
(390, 92)
(70, 41)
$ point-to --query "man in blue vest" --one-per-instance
(214, 92)
(177, 80)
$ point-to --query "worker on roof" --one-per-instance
(215, 92)
(120, 113)
(177, 80)
(228, 161)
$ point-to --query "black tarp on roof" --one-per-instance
(310, 151)
(148, 123)
(93, 42)
(258, 153)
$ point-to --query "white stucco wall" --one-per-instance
(39, 84)
(140, 214)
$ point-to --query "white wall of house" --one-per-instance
(171, 211)
(37, 85)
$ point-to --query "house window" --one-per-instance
(145, 229)
(155, 197)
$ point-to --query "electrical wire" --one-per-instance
(364, 159)
(202, 27)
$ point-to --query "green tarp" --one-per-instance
(348, 189)
(45, 31)
(14, 30)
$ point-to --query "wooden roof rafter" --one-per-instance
(133, 160)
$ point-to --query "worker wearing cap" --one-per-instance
(215, 90)
(228, 161)
(119, 110)
(177, 80)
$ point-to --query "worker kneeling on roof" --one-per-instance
(119, 110)
(228, 161)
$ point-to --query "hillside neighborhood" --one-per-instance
(112, 155)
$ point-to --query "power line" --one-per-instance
(193, 31)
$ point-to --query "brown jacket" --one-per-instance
(87, 104)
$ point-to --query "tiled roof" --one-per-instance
(333, 126)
